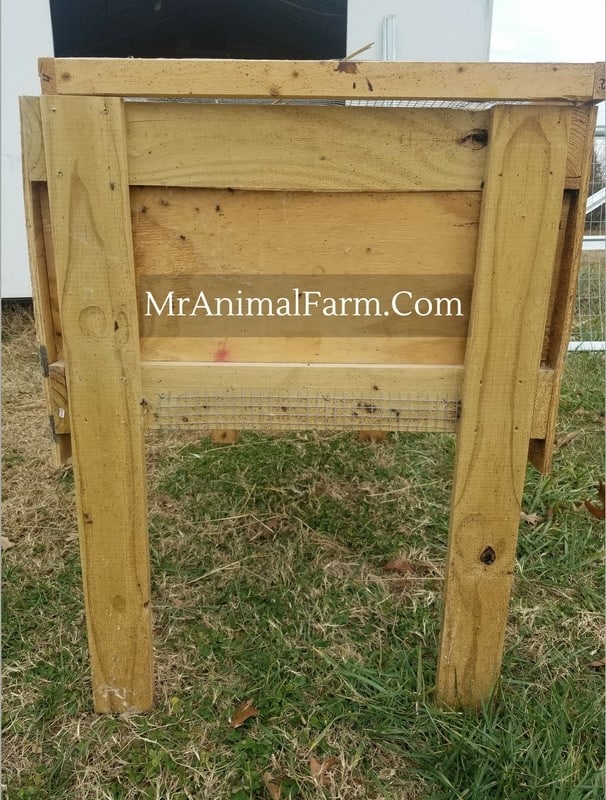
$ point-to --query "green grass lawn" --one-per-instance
(269, 585)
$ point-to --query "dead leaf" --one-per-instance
(562, 441)
(531, 519)
(6, 543)
(243, 712)
(598, 664)
(265, 527)
(399, 565)
(273, 789)
(598, 512)
(319, 769)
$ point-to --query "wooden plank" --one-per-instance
(209, 231)
(541, 451)
(355, 381)
(313, 148)
(31, 139)
(145, 120)
(39, 257)
(554, 289)
(517, 243)
(353, 80)
(343, 350)
(88, 191)
(160, 378)
(51, 272)
(577, 148)
(298, 397)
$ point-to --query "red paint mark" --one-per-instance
(222, 354)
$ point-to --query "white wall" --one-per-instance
(25, 36)
(425, 30)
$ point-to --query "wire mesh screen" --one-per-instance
(589, 331)
(268, 410)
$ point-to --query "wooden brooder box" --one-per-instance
(484, 188)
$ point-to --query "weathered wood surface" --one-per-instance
(305, 148)
(90, 216)
(516, 252)
(541, 452)
(353, 80)
(40, 259)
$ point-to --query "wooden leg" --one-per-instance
(516, 251)
(90, 215)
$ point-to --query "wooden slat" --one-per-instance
(315, 148)
(206, 231)
(357, 380)
(39, 256)
(298, 397)
(541, 452)
(88, 191)
(31, 139)
(196, 378)
(516, 250)
(177, 163)
(352, 80)
(555, 283)
(51, 272)
(314, 350)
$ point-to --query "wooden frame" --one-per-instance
(115, 190)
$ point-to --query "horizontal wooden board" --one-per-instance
(315, 148)
(358, 383)
(354, 80)
(366, 350)
(36, 165)
(384, 398)
(205, 231)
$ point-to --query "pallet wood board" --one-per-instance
(346, 80)
(305, 148)
(95, 286)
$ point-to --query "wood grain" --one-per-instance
(90, 216)
(40, 255)
(195, 378)
(541, 452)
(353, 80)
(212, 231)
(308, 350)
(313, 148)
(516, 253)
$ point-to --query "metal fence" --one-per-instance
(589, 331)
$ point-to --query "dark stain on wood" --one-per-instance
(348, 67)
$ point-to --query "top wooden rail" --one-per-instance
(342, 80)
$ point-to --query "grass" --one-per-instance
(269, 584)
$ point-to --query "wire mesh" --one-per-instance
(272, 410)
(589, 330)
